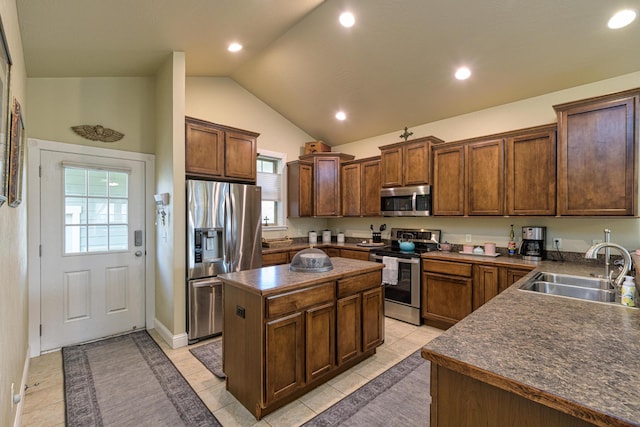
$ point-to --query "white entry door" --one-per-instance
(92, 247)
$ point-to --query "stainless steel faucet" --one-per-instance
(607, 254)
(592, 253)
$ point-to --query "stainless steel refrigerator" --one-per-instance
(224, 234)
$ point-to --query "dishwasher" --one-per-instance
(204, 297)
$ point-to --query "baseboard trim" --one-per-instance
(175, 341)
(23, 384)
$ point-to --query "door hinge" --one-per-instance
(40, 330)
(40, 251)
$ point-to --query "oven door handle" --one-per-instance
(403, 260)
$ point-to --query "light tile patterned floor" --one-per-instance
(44, 401)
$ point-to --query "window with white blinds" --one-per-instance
(270, 177)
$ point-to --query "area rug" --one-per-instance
(210, 355)
(399, 396)
(128, 381)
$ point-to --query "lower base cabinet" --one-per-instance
(451, 290)
(284, 345)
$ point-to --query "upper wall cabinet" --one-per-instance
(219, 152)
(530, 176)
(597, 155)
(407, 163)
(361, 187)
(299, 189)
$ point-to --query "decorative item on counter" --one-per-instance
(628, 292)
(489, 248)
(280, 242)
(467, 249)
(445, 247)
(313, 237)
(311, 261)
(478, 250)
(340, 237)
(511, 248)
(326, 236)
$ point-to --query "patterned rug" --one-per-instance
(211, 357)
(399, 396)
(128, 381)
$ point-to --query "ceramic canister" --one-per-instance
(489, 248)
(326, 236)
(340, 237)
(313, 237)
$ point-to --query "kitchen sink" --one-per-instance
(581, 287)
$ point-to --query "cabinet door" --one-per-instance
(348, 327)
(596, 157)
(274, 259)
(372, 318)
(240, 156)
(486, 281)
(484, 178)
(351, 190)
(392, 161)
(448, 181)
(320, 340)
(285, 356)
(331, 252)
(327, 186)
(349, 253)
(417, 167)
(370, 173)
(299, 189)
(512, 275)
(204, 150)
(447, 298)
(530, 182)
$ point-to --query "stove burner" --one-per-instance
(424, 240)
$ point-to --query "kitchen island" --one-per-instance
(526, 358)
(285, 333)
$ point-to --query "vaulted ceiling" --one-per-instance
(393, 68)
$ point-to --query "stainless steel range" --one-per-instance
(401, 275)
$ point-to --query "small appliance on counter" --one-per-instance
(533, 243)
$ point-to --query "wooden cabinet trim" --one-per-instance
(290, 302)
(359, 283)
(452, 268)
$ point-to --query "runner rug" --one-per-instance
(210, 355)
(400, 396)
(128, 381)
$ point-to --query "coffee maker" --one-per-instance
(532, 247)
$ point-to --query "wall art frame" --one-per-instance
(17, 142)
(5, 108)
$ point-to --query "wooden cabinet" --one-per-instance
(299, 189)
(275, 258)
(530, 177)
(407, 163)
(597, 155)
(219, 152)
(484, 177)
(447, 292)
(361, 187)
(326, 189)
(452, 289)
(448, 180)
(298, 338)
(354, 254)
(469, 178)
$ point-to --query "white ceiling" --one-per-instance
(393, 69)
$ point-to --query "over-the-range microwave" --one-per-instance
(406, 201)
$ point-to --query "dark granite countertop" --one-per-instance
(272, 280)
(580, 357)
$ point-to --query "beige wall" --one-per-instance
(576, 233)
(13, 247)
(125, 104)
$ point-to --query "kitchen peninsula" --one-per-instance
(526, 358)
(287, 332)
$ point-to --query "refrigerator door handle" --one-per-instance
(228, 231)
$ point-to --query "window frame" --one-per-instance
(282, 162)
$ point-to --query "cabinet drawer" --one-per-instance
(360, 283)
(348, 253)
(447, 267)
(275, 259)
(297, 300)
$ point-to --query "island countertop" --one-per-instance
(580, 357)
(276, 279)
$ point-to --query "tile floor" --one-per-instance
(44, 400)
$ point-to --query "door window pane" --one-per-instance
(96, 210)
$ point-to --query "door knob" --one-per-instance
(138, 253)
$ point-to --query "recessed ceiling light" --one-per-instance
(234, 47)
(621, 19)
(341, 115)
(463, 73)
(347, 19)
